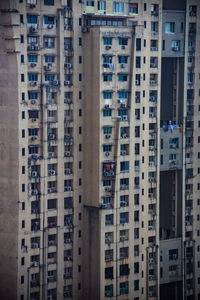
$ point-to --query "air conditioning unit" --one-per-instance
(34, 245)
(123, 152)
(107, 105)
(32, 5)
(152, 98)
(107, 153)
(33, 65)
(175, 49)
(121, 101)
(33, 29)
(152, 82)
(123, 47)
(150, 293)
(48, 67)
(123, 66)
(153, 48)
(68, 171)
(52, 172)
(35, 264)
(55, 82)
(108, 188)
(67, 65)
(123, 105)
(150, 195)
(67, 82)
(137, 82)
(108, 47)
(51, 190)
(151, 147)
(124, 135)
(67, 154)
(107, 136)
(150, 227)
(33, 138)
(85, 29)
(151, 115)
(34, 120)
(67, 101)
(33, 83)
(33, 102)
(151, 260)
(68, 188)
(37, 47)
(35, 156)
(67, 241)
(52, 136)
(125, 118)
(34, 174)
(151, 163)
(50, 26)
(35, 192)
(67, 136)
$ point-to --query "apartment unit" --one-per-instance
(100, 170)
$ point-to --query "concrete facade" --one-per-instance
(91, 193)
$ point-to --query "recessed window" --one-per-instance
(48, 2)
(170, 27)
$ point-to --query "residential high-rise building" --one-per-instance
(99, 147)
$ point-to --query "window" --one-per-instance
(52, 204)
(22, 59)
(145, 6)
(22, 77)
(123, 41)
(49, 20)
(107, 41)
(32, 77)
(133, 8)
(136, 285)
(89, 3)
(107, 130)
(109, 273)
(48, 2)
(80, 41)
(32, 19)
(21, 39)
(32, 58)
(123, 59)
(124, 166)
(124, 287)
(138, 44)
(22, 279)
(101, 5)
(175, 45)
(107, 112)
(109, 290)
(118, 7)
(122, 95)
(107, 95)
(107, 77)
(170, 27)
(138, 61)
(80, 59)
(109, 219)
(122, 77)
(49, 42)
(23, 151)
(21, 19)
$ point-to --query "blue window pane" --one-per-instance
(32, 58)
(107, 41)
(107, 95)
(32, 19)
(122, 95)
(107, 112)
